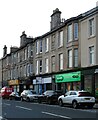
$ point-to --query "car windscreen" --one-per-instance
(85, 94)
(33, 92)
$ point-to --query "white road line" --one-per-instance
(23, 108)
(55, 115)
(7, 104)
(0, 117)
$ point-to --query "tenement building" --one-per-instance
(65, 58)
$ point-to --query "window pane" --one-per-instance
(91, 54)
(75, 31)
(46, 44)
(37, 67)
(70, 58)
(46, 65)
(60, 39)
(53, 63)
(37, 47)
(76, 57)
(41, 46)
(61, 61)
(40, 66)
(69, 33)
(91, 27)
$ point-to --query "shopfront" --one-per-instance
(42, 84)
(68, 81)
(14, 84)
(91, 80)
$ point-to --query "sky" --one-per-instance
(33, 17)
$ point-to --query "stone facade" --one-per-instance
(62, 50)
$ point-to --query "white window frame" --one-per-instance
(70, 58)
(91, 27)
(25, 70)
(40, 66)
(28, 51)
(46, 44)
(60, 39)
(76, 31)
(76, 57)
(37, 67)
(53, 63)
(28, 69)
(61, 61)
(31, 68)
(46, 65)
(31, 52)
(69, 34)
(25, 54)
(37, 47)
(91, 55)
(41, 46)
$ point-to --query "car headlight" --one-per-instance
(92, 99)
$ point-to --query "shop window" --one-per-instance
(96, 86)
(88, 83)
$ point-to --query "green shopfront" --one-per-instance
(68, 81)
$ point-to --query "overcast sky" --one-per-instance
(33, 17)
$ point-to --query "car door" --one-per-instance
(25, 95)
(66, 97)
(72, 96)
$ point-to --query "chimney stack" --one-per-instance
(4, 50)
(55, 18)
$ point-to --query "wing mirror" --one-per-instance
(65, 95)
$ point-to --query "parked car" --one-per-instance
(77, 98)
(14, 95)
(49, 97)
(29, 95)
(6, 91)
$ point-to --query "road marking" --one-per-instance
(66, 107)
(55, 115)
(0, 117)
(24, 108)
(7, 104)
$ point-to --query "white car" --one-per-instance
(77, 98)
(28, 95)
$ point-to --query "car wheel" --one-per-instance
(39, 101)
(10, 98)
(60, 102)
(49, 102)
(74, 104)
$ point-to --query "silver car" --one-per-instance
(29, 95)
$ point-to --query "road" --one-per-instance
(17, 109)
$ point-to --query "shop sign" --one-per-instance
(68, 77)
(38, 80)
(47, 80)
(13, 82)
